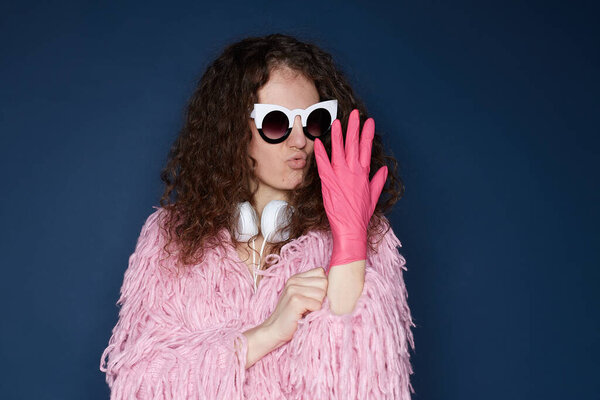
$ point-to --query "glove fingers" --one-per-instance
(366, 143)
(323, 165)
(376, 186)
(338, 157)
(352, 138)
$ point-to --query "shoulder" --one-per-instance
(150, 233)
(155, 219)
(158, 240)
(150, 245)
(387, 233)
(386, 256)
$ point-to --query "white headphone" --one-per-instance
(275, 216)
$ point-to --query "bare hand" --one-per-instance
(303, 293)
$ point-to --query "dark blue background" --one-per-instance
(492, 111)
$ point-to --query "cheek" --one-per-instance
(257, 150)
(266, 160)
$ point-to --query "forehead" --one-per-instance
(288, 88)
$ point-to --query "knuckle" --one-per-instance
(295, 299)
(290, 287)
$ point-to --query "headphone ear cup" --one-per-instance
(274, 220)
(247, 226)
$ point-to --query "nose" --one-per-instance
(297, 138)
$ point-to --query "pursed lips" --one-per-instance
(297, 157)
(297, 161)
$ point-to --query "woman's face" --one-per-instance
(275, 172)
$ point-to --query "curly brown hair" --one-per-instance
(207, 165)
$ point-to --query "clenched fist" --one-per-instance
(304, 292)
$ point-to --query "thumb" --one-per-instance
(323, 165)
(376, 185)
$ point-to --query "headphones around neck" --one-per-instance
(275, 215)
(273, 225)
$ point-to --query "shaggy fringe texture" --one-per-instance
(180, 336)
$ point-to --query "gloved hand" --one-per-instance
(348, 196)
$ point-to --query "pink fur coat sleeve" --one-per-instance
(152, 354)
(361, 355)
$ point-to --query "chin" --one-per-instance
(291, 185)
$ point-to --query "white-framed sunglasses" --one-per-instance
(275, 122)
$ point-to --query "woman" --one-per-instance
(324, 314)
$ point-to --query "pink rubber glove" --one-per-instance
(348, 196)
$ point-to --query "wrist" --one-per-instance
(260, 343)
(346, 284)
(270, 336)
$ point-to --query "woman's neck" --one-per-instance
(262, 198)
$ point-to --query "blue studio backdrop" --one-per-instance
(491, 109)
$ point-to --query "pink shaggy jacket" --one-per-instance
(180, 336)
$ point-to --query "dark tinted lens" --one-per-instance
(318, 122)
(275, 124)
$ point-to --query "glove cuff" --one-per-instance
(348, 249)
